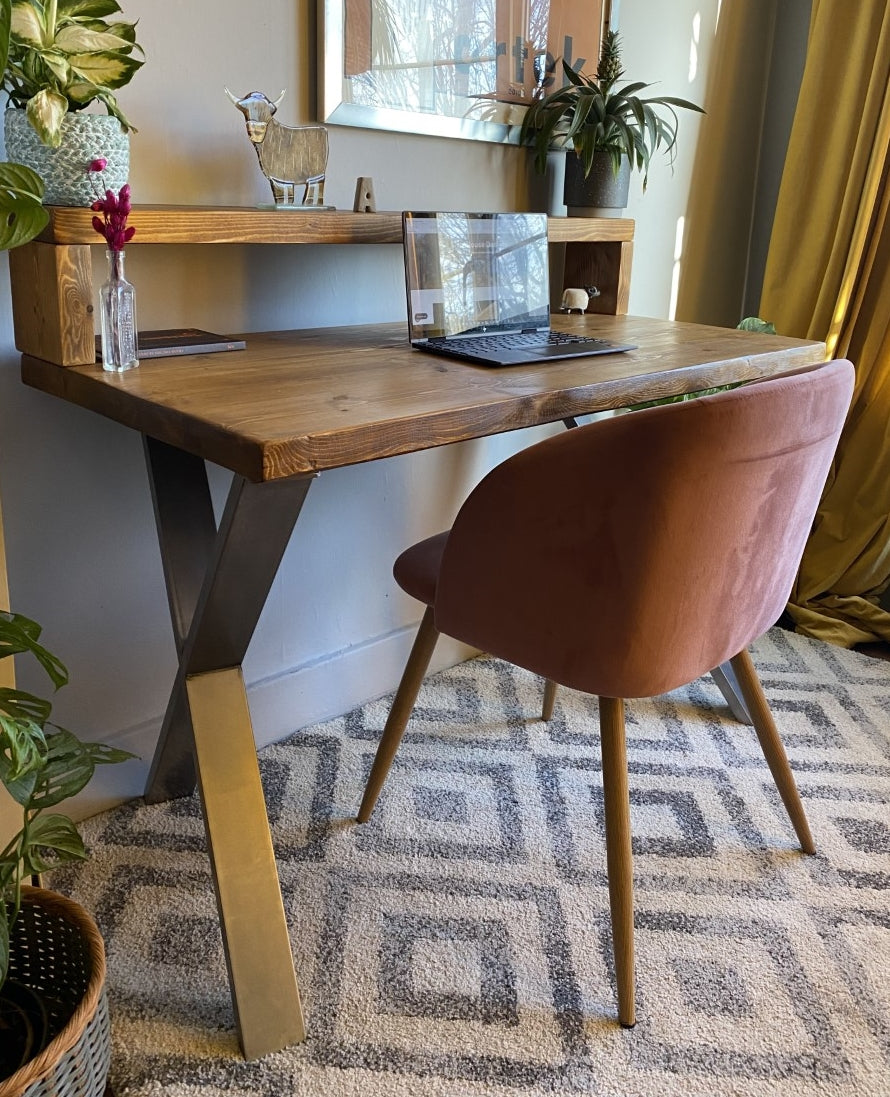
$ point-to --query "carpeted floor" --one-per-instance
(458, 944)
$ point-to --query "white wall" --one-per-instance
(81, 544)
(669, 46)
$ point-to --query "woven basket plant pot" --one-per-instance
(57, 951)
(85, 137)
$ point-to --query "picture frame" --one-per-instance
(450, 68)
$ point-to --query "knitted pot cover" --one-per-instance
(85, 137)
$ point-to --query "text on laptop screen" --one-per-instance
(468, 273)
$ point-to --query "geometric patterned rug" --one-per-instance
(458, 944)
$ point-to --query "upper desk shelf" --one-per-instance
(52, 284)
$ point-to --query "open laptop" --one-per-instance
(479, 289)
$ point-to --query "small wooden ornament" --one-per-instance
(364, 195)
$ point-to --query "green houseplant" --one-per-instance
(41, 764)
(22, 214)
(63, 56)
(612, 129)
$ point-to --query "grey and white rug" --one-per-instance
(458, 944)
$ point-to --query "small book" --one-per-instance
(169, 341)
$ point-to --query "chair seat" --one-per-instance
(417, 569)
(629, 556)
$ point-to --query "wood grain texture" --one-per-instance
(52, 302)
(304, 401)
(248, 225)
(619, 855)
(773, 747)
(52, 281)
(604, 264)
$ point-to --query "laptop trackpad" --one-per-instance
(575, 350)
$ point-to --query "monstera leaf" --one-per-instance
(41, 764)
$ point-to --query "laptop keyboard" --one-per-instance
(518, 340)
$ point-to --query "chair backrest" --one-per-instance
(628, 557)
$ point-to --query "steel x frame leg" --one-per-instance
(217, 582)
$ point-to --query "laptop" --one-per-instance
(479, 289)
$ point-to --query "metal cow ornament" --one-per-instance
(289, 156)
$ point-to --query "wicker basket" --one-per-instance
(57, 949)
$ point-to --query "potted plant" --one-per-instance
(53, 1012)
(611, 129)
(22, 214)
(63, 56)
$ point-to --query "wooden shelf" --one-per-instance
(52, 281)
(244, 225)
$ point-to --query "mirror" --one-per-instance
(450, 68)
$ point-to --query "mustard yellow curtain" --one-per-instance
(828, 277)
(717, 228)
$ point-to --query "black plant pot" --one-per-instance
(602, 193)
(24, 1026)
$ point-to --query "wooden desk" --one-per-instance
(277, 414)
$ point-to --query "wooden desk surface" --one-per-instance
(299, 402)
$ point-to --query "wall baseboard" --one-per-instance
(279, 706)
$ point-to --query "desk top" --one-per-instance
(299, 402)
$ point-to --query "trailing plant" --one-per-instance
(750, 323)
(754, 323)
(64, 55)
(592, 114)
(41, 764)
(22, 214)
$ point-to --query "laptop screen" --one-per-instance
(468, 273)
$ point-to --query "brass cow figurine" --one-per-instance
(289, 156)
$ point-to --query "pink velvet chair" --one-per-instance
(625, 559)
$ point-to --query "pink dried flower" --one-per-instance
(115, 209)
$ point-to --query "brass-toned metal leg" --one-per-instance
(261, 970)
(773, 748)
(619, 857)
(402, 707)
(549, 699)
(217, 583)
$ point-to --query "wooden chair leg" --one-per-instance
(402, 707)
(549, 699)
(772, 746)
(619, 858)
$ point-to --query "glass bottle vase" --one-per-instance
(117, 307)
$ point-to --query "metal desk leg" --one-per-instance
(217, 582)
(726, 681)
(261, 969)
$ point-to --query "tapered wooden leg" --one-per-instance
(773, 748)
(402, 707)
(549, 699)
(619, 858)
